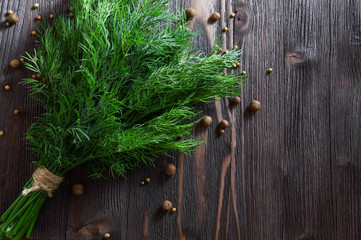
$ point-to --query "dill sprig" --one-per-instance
(120, 81)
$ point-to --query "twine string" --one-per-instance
(44, 180)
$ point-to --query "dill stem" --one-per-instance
(35, 216)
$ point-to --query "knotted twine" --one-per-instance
(44, 180)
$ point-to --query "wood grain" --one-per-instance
(290, 171)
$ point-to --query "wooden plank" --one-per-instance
(345, 114)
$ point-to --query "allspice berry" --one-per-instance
(16, 112)
(170, 169)
(33, 76)
(22, 59)
(243, 72)
(7, 88)
(238, 64)
(13, 18)
(142, 183)
(71, 15)
(106, 235)
(269, 70)
(33, 33)
(206, 121)
(255, 105)
(235, 47)
(236, 100)
(221, 131)
(174, 209)
(1, 133)
(147, 180)
(78, 189)
(215, 16)
(51, 16)
(234, 65)
(233, 15)
(9, 11)
(224, 124)
(38, 17)
(167, 205)
(190, 13)
(225, 29)
(36, 5)
(38, 75)
(15, 63)
(7, 24)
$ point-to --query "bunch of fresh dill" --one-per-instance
(120, 83)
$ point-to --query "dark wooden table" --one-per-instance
(290, 171)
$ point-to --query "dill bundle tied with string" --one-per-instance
(120, 80)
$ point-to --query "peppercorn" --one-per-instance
(7, 24)
(255, 105)
(238, 64)
(221, 131)
(174, 209)
(22, 59)
(269, 70)
(7, 87)
(33, 33)
(206, 121)
(15, 63)
(107, 235)
(51, 16)
(33, 76)
(243, 72)
(170, 169)
(147, 180)
(38, 75)
(225, 29)
(9, 12)
(234, 65)
(233, 15)
(224, 124)
(190, 13)
(13, 18)
(235, 47)
(236, 100)
(166, 205)
(1, 133)
(78, 189)
(215, 16)
(16, 112)
(38, 17)
(36, 5)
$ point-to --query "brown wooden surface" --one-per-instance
(290, 171)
